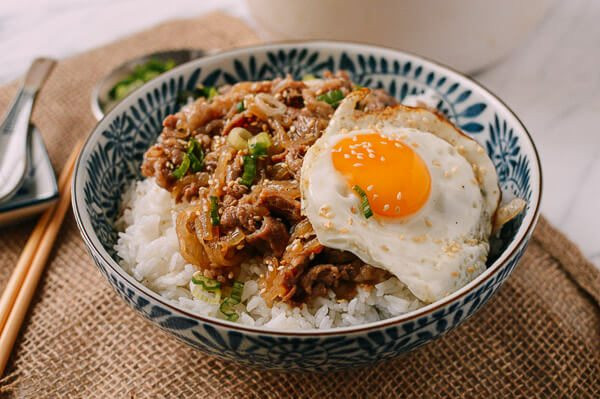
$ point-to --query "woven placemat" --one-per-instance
(539, 336)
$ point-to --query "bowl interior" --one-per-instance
(111, 158)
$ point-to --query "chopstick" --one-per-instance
(17, 296)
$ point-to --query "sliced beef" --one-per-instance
(271, 238)
(318, 279)
(282, 199)
(376, 101)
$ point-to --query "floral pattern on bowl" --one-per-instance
(112, 155)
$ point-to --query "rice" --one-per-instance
(149, 250)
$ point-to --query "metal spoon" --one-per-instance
(14, 157)
(101, 101)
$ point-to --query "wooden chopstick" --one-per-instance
(24, 279)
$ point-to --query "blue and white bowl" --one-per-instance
(111, 160)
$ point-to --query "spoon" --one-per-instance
(101, 101)
(14, 157)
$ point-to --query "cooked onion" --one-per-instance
(507, 212)
(190, 248)
(269, 105)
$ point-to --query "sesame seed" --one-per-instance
(350, 220)
(397, 209)
(398, 195)
(371, 155)
(369, 187)
(263, 291)
(386, 207)
(375, 196)
(385, 248)
(346, 156)
(270, 268)
(327, 225)
(416, 145)
(343, 230)
(355, 138)
(419, 239)
(359, 156)
(480, 149)
(398, 145)
(454, 274)
(382, 158)
(357, 164)
(279, 267)
(470, 269)
(428, 222)
(353, 209)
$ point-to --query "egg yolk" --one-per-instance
(393, 176)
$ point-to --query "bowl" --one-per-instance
(469, 35)
(111, 158)
(100, 99)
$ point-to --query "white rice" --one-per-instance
(149, 251)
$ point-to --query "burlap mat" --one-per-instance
(539, 336)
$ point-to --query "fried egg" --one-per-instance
(431, 189)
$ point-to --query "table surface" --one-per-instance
(552, 82)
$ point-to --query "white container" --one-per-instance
(468, 35)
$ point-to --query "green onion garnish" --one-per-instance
(364, 202)
(214, 211)
(332, 97)
(249, 170)
(228, 305)
(208, 284)
(240, 106)
(206, 91)
(205, 289)
(196, 155)
(140, 75)
(183, 167)
(193, 159)
(236, 292)
(259, 144)
(227, 308)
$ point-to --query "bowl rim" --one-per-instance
(519, 240)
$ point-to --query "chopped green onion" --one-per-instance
(332, 97)
(214, 211)
(364, 202)
(238, 138)
(205, 289)
(236, 292)
(228, 309)
(259, 144)
(183, 167)
(249, 172)
(200, 293)
(140, 75)
(196, 155)
(206, 91)
(208, 284)
(228, 305)
(240, 106)
(308, 76)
